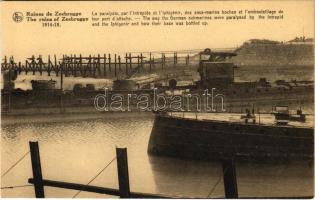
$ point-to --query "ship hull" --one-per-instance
(205, 139)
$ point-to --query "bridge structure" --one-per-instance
(165, 66)
(99, 66)
(119, 66)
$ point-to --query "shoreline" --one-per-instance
(67, 117)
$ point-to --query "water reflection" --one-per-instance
(186, 178)
(75, 150)
(205, 178)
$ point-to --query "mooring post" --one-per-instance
(229, 176)
(37, 170)
(123, 175)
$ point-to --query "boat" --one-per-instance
(43, 84)
(283, 116)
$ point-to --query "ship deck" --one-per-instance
(261, 119)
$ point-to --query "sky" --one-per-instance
(24, 39)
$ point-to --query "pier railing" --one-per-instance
(229, 177)
(228, 167)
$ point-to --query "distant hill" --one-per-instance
(255, 52)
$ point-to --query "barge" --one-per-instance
(197, 137)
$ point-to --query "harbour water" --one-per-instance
(74, 149)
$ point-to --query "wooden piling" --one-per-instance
(10, 91)
(163, 60)
(94, 67)
(26, 67)
(123, 174)
(61, 74)
(20, 67)
(109, 63)
(5, 62)
(175, 58)
(150, 62)
(187, 60)
(104, 66)
(55, 60)
(37, 170)
(90, 65)
(119, 63)
(130, 62)
(72, 64)
(9, 63)
(123, 178)
(65, 65)
(115, 65)
(48, 65)
(61, 86)
(40, 62)
(138, 62)
(141, 61)
(55, 63)
(33, 64)
(75, 66)
(98, 65)
(81, 65)
(126, 64)
(229, 176)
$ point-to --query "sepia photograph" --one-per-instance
(157, 99)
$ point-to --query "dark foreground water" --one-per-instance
(76, 150)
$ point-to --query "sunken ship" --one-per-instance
(231, 135)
